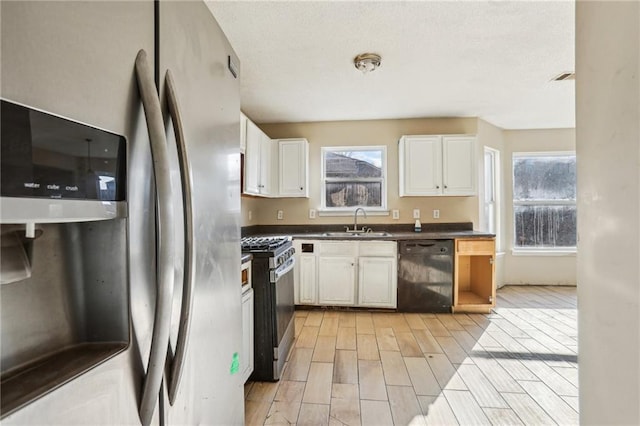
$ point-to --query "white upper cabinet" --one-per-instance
(266, 166)
(252, 159)
(458, 165)
(273, 168)
(420, 165)
(433, 165)
(258, 161)
(293, 155)
(243, 133)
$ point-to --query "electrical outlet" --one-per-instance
(312, 213)
(395, 214)
(416, 213)
(436, 214)
(280, 215)
(250, 215)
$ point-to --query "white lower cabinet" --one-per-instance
(308, 293)
(336, 276)
(377, 281)
(346, 273)
(246, 358)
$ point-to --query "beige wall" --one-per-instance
(250, 205)
(375, 132)
(534, 269)
(608, 150)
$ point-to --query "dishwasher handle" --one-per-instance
(425, 247)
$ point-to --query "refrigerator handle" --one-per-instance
(176, 363)
(166, 249)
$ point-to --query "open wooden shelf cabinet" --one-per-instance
(474, 289)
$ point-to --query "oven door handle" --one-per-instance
(282, 270)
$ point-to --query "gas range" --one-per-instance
(274, 303)
(277, 248)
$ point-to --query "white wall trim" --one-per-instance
(535, 253)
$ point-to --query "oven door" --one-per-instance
(282, 282)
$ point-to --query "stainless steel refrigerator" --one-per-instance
(160, 280)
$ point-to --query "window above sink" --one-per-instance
(354, 177)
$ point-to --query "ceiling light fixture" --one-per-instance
(367, 62)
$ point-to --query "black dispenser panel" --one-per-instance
(46, 156)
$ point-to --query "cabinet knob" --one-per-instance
(445, 187)
(301, 188)
(437, 186)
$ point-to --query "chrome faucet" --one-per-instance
(355, 220)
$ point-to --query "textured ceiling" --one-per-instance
(487, 59)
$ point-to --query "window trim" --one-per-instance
(497, 192)
(323, 180)
(538, 251)
(547, 251)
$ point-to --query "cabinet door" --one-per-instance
(420, 165)
(459, 165)
(266, 167)
(293, 168)
(377, 281)
(252, 159)
(336, 280)
(243, 133)
(246, 358)
(307, 279)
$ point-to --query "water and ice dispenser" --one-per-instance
(63, 266)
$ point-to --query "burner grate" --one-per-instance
(263, 243)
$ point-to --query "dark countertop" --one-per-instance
(246, 257)
(398, 232)
(400, 236)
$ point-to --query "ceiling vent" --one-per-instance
(564, 76)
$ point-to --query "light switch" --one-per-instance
(395, 214)
(312, 213)
(416, 213)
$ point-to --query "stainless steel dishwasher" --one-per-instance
(425, 276)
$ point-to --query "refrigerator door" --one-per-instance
(76, 59)
(196, 51)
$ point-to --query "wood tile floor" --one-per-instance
(517, 365)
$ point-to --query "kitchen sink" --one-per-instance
(355, 234)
